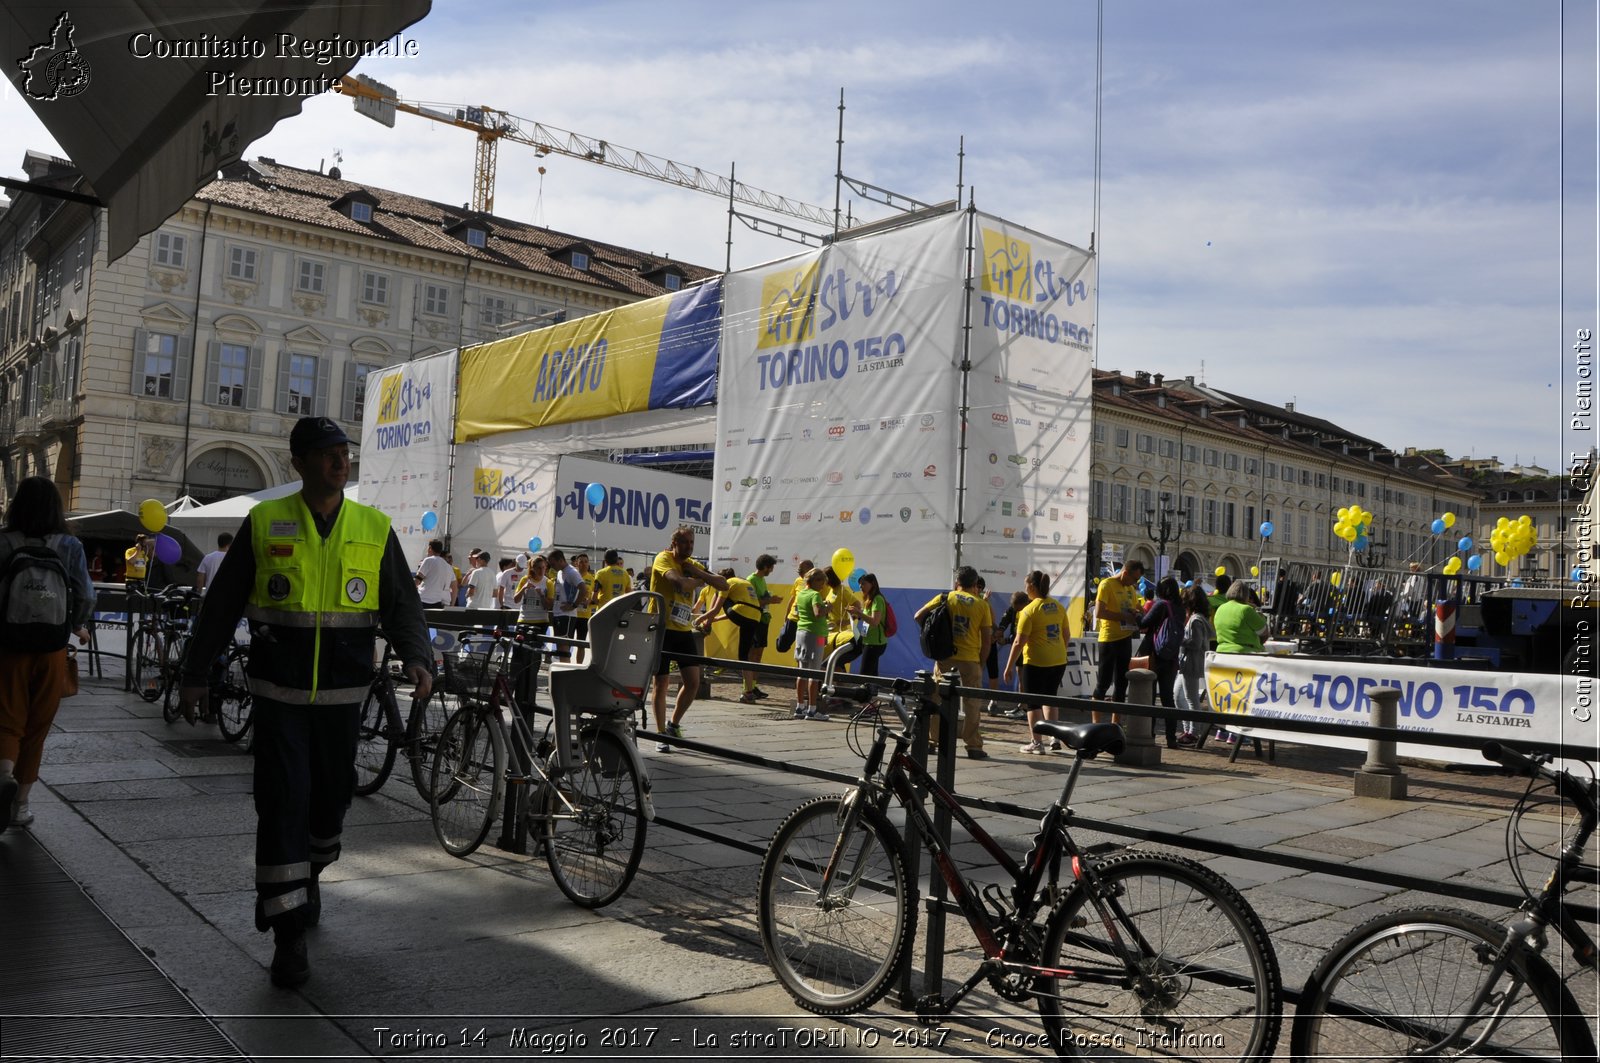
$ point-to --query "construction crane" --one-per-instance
(379, 102)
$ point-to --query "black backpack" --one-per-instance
(35, 597)
(938, 637)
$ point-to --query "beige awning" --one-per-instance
(150, 99)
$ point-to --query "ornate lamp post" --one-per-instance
(1163, 525)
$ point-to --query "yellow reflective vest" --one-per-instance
(313, 609)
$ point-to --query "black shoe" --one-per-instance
(758, 693)
(313, 911)
(290, 967)
(977, 754)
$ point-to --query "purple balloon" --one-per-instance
(167, 550)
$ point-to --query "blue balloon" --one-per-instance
(1266, 529)
(1475, 562)
(855, 579)
(430, 520)
(535, 545)
(596, 494)
(1437, 526)
(1465, 543)
(1360, 543)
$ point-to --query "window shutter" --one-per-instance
(213, 371)
(182, 361)
(347, 408)
(140, 339)
(252, 391)
(282, 405)
(319, 403)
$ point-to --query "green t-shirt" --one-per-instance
(878, 607)
(759, 582)
(811, 613)
(1239, 628)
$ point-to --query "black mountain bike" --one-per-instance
(382, 735)
(1441, 983)
(1136, 952)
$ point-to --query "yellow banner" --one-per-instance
(596, 366)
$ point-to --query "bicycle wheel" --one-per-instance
(423, 728)
(171, 678)
(594, 829)
(231, 697)
(146, 660)
(469, 771)
(375, 749)
(1204, 979)
(1397, 985)
(840, 954)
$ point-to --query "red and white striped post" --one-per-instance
(1444, 630)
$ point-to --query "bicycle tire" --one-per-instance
(147, 657)
(469, 773)
(423, 728)
(1403, 972)
(1216, 991)
(594, 826)
(232, 703)
(375, 746)
(171, 684)
(846, 957)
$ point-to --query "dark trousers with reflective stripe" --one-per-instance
(304, 781)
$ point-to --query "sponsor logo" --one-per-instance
(808, 479)
(727, 485)
(858, 427)
(55, 69)
(750, 518)
(1055, 514)
(1005, 509)
(905, 514)
(1055, 537)
(864, 515)
(1016, 459)
(902, 474)
(787, 480)
(889, 424)
(802, 517)
(737, 519)
(927, 423)
(1000, 418)
(836, 431)
(925, 513)
(731, 443)
(1022, 509)
(805, 434)
(994, 459)
(783, 518)
(1022, 422)
(1027, 536)
(868, 475)
(749, 481)
(844, 516)
(1072, 492)
(929, 472)
(767, 519)
(997, 481)
(1008, 533)
(783, 437)
(836, 477)
(757, 440)
(766, 482)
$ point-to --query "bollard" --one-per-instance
(1381, 776)
(1141, 750)
(1444, 630)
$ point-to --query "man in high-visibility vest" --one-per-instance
(315, 574)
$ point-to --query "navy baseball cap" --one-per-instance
(315, 433)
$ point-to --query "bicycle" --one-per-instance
(382, 735)
(230, 699)
(1169, 956)
(156, 656)
(586, 803)
(1441, 983)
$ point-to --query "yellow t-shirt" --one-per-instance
(794, 598)
(1113, 598)
(586, 611)
(741, 599)
(610, 582)
(1042, 625)
(970, 617)
(136, 562)
(679, 604)
(839, 608)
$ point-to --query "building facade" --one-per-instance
(179, 368)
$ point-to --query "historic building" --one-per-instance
(179, 368)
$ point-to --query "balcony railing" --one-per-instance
(59, 411)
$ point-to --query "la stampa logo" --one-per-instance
(55, 70)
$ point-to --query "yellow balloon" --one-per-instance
(1502, 557)
(1525, 520)
(1449, 519)
(1501, 523)
(1452, 566)
(1344, 511)
(1221, 571)
(153, 515)
(1255, 570)
(1335, 578)
(844, 562)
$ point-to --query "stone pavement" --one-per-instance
(156, 824)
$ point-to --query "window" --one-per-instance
(1228, 509)
(1210, 525)
(232, 374)
(1230, 462)
(1249, 522)
(580, 260)
(1272, 470)
(1288, 473)
(1286, 531)
(1361, 490)
(1119, 503)
(1143, 505)
(169, 250)
(1097, 500)
(1322, 481)
(1252, 466)
(1211, 456)
(671, 282)
(360, 211)
(436, 300)
(477, 238)
(495, 310)
(1189, 512)
(310, 277)
(1305, 477)
(1145, 443)
(242, 263)
(355, 390)
(81, 263)
(157, 366)
(1169, 448)
(1122, 438)
(375, 287)
(1190, 452)
(1099, 433)
(300, 398)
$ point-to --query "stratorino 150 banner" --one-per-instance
(652, 355)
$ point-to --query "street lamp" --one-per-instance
(1167, 529)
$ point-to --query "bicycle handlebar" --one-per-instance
(1587, 793)
(1518, 762)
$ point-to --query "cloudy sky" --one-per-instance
(1356, 207)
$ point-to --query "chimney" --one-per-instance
(1288, 407)
(1189, 380)
(1141, 377)
(1157, 378)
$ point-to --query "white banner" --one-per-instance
(1443, 701)
(641, 509)
(405, 447)
(1028, 392)
(836, 417)
(503, 496)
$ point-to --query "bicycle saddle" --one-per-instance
(1087, 738)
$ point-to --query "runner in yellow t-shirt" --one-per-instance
(1041, 643)
(612, 581)
(676, 576)
(1116, 610)
(972, 622)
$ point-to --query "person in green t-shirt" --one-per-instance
(1239, 623)
(871, 614)
(811, 641)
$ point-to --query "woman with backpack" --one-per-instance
(45, 598)
(1197, 636)
(1164, 622)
